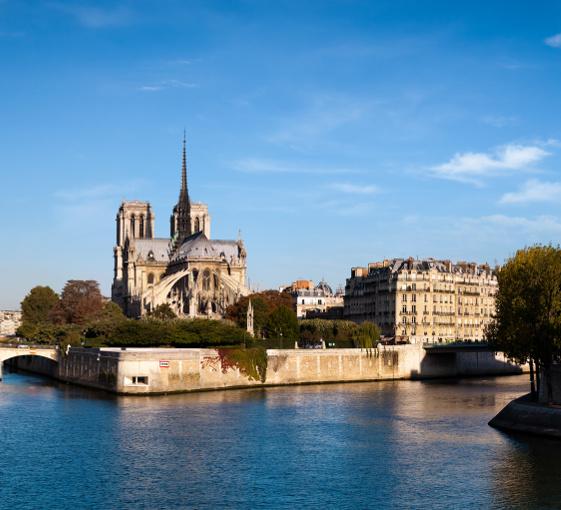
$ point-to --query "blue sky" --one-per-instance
(332, 133)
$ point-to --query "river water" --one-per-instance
(404, 444)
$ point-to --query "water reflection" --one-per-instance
(405, 444)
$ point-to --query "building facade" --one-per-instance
(309, 299)
(10, 321)
(423, 300)
(194, 274)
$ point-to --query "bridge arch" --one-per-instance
(27, 352)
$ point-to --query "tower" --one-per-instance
(249, 319)
(135, 220)
(181, 227)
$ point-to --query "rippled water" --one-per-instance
(370, 445)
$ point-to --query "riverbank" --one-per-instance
(526, 416)
(159, 371)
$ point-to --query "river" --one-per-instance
(403, 444)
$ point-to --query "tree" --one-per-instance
(282, 323)
(367, 335)
(80, 301)
(104, 324)
(38, 304)
(264, 303)
(163, 312)
(527, 322)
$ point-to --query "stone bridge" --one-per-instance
(13, 351)
(455, 347)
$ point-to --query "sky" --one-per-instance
(330, 133)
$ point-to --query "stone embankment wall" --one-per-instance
(152, 371)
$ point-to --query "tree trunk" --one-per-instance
(538, 379)
(548, 382)
(532, 382)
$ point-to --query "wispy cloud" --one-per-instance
(534, 191)
(269, 166)
(93, 16)
(554, 41)
(312, 125)
(354, 189)
(472, 166)
(499, 121)
(539, 224)
(168, 84)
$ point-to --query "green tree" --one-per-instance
(282, 323)
(527, 322)
(367, 335)
(37, 305)
(163, 312)
(264, 303)
(104, 324)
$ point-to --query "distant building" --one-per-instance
(423, 300)
(317, 300)
(10, 321)
(196, 275)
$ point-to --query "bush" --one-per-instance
(177, 333)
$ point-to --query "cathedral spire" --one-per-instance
(184, 193)
(183, 207)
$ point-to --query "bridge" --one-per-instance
(454, 347)
(8, 351)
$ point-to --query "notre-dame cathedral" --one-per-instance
(196, 276)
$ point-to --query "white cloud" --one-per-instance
(168, 84)
(539, 224)
(554, 41)
(471, 166)
(92, 16)
(268, 166)
(534, 191)
(354, 189)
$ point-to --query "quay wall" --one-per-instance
(148, 371)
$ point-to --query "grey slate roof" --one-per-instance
(158, 248)
(199, 246)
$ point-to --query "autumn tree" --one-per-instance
(36, 307)
(264, 303)
(527, 322)
(80, 301)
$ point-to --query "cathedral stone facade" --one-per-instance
(195, 275)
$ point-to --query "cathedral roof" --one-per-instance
(152, 249)
(200, 246)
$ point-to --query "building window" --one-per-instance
(133, 226)
(141, 228)
(197, 225)
(140, 380)
(150, 278)
(206, 279)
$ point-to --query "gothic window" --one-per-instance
(197, 225)
(216, 285)
(133, 225)
(206, 279)
(141, 229)
(150, 278)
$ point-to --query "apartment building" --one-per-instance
(423, 300)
